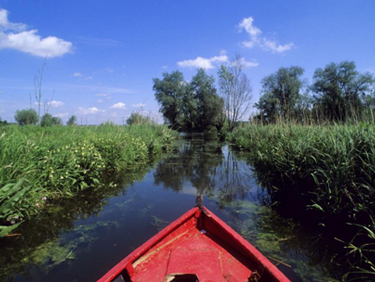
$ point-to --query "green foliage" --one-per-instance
(169, 93)
(208, 105)
(281, 94)
(72, 121)
(61, 161)
(3, 122)
(338, 89)
(138, 119)
(26, 117)
(194, 105)
(49, 120)
(328, 169)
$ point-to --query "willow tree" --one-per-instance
(208, 103)
(235, 91)
(169, 93)
(281, 94)
(338, 89)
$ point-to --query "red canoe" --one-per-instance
(198, 246)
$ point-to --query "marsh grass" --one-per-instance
(327, 169)
(57, 162)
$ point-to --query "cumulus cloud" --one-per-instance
(204, 63)
(6, 25)
(56, 104)
(89, 111)
(120, 106)
(15, 36)
(139, 105)
(257, 40)
(78, 74)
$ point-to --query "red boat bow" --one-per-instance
(198, 246)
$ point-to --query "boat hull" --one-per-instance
(198, 246)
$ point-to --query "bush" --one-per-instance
(26, 117)
(49, 120)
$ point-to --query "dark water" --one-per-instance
(82, 238)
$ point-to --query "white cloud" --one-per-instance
(248, 64)
(257, 40)
(112, 90)
(82, 76)
(6, 25)
(120, 106)
(56, 104)
(203, 63)
(61, 115)
(89, 111)
(139, 105)
(104, 97)
(15, 36)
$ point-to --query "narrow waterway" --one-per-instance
(82, 238)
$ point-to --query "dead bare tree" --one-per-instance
(38, 87)
(235, 90)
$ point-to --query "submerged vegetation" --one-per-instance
(326, 172)
(39, 164)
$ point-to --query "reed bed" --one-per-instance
(39, 164)
(329, 169)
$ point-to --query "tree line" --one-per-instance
(198, 104)
(338, 93)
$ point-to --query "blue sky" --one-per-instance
(103, 55)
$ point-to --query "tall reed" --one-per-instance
(60, 161)
(327, 168)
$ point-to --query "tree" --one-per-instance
(281, 94)
(209, 105)
(3, 122)
(169, 93)
(72, 121)
(38, 87)
(26, 117)
(235, 90)
(49, 120)
(338, 89)
(189, 107)
(137, 119)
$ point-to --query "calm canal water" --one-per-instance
(82, 238)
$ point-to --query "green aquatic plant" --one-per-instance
(159, 223)
(58, 162)
(279, 239)
(327, 170)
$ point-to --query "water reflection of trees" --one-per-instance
(39, 241)
(209, 167)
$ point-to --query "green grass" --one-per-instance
(45, 163)
(330, 169)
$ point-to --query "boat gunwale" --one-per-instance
(129, 262)
(137, 253)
